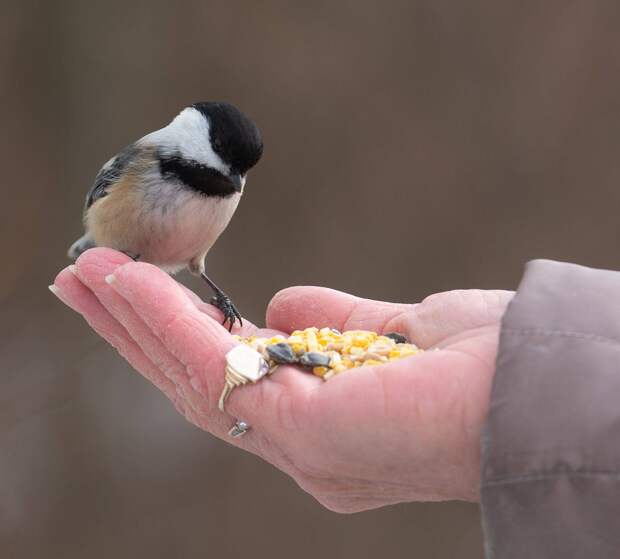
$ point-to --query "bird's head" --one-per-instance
(210, 147)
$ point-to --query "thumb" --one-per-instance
(296, 308)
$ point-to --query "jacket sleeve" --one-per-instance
(551, 443)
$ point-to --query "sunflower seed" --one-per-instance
(398, 338)
(314, 359)
(281, 353)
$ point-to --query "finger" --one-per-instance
(186, 400)
(196, 340)
(95, 265)
(297, 308)
(92, 268)
(78, 297)
(442, 317)
(201, 344)
(107, 257)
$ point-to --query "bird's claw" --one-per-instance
(231, 314)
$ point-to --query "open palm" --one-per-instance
(408, 430)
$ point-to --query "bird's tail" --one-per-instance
(80, 246)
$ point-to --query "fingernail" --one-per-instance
(62, 296)
(110, 279)
(54, 290)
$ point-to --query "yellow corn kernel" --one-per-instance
(373, 362)
(297, 343)
(319, 371)
(311, 341)
(375, 356)
(325, 339)
(401, 352)
(296, 339)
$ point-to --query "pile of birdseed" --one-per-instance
(328, 352)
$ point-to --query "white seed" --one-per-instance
(375, 356)
(334, 358)
(382, 348)
(311, 341)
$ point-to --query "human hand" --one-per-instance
(408, 430)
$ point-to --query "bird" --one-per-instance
(166, 198)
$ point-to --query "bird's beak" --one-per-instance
(238, 181)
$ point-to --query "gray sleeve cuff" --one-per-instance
(551, 443)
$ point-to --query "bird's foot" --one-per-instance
(231, 314)
(134, 256)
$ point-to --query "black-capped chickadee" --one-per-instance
(166, 198)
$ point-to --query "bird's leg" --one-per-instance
(223, 302)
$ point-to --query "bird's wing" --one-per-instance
(109, 174)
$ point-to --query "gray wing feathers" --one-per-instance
(110, 173)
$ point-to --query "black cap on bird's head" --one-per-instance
(234, 136)
(209, 147)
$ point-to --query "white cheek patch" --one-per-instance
(188, 134)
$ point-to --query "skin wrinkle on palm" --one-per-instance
(403, 431)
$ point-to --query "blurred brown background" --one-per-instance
(410, 147)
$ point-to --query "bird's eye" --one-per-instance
(217, 143)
